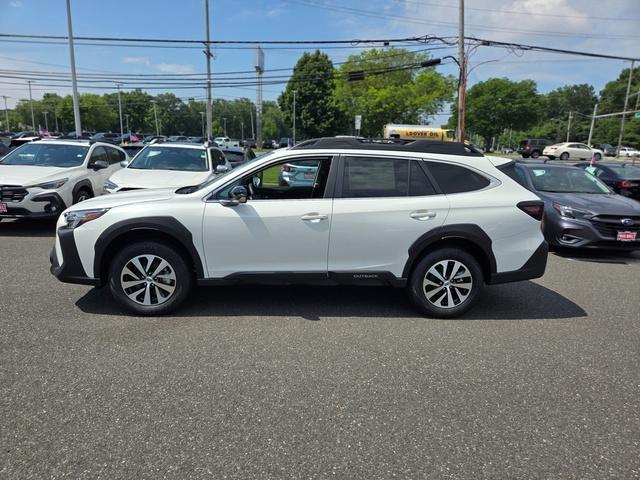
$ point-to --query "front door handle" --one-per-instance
(422, 215)
(313, 217)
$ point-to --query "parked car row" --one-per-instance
(536, 147)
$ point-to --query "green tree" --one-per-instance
(394, 94)
(316, 111)
(498, 104)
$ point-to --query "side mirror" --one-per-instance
(99, 165)
(222, 169)
(239, 193)
(124, 164)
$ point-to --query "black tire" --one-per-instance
(535, 154)
(551, 157)
(420, 294)
(525, 155)
(81, 195)
(597, 157)
(564, 156)
(158, 287)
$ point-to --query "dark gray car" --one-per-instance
(579, 209)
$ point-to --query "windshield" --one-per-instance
(626, 172)
(46, 155)
(566, 180)
(245, 166)
(167, 158)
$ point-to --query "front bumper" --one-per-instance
(582, 233)
(44, 205)
(71, 270)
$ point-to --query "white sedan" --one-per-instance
(628, 152)
(169, 165)
(573, 151)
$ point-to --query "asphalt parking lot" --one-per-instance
(541, 380)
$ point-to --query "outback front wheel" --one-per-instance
(446, 283)
(149, 278)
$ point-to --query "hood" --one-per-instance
(126, 198)
(139, 178)
(599, 204)
(24, 175)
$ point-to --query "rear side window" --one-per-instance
(456, 179)
(375, 177)
(419, 184)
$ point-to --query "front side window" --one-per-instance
(46, 155)
(114, 156)
(216, 157)
(456, 179)
(293, 179)
(168, 158)
(99, 153)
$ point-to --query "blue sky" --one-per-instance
(599, 26)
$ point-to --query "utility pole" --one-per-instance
(259, 66)
(126, 115)
(207, 53)
(120, 110)
(294, 116)
(33, 117)
(74, 82)
(55, 116)
(46, 121)
(626, 102)
(155, 114)
(224, 121)
(253, 132)
(242, 129)
(202, 115)
(462, 81)
(593, 123)
(6, 113)
(569, 125)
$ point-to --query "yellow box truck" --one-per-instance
(417, 132)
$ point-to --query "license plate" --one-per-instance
(3, 207)
(627, 236)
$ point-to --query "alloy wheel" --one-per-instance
(447, 284)
(148, 280)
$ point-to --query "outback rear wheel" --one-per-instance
(149, 278)
(446, 283)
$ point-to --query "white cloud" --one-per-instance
(16, 3)
(274, 12)
(137, 60)
(174, 68)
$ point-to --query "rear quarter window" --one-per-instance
(456, 179)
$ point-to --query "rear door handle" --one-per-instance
(313, 217)
(422, 215)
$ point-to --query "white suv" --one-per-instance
(42, 178)
(435, 217)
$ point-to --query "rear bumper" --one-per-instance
(533, 268)
(71, 270)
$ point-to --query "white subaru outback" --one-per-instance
(42, 178)
(437, 218)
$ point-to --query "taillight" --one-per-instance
(533, 208)
(626, 184)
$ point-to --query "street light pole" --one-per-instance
(202, 115)
(294, 116)
(74, 82)
(569, 125)
(55, 116)
(120, 110)
(462, 80)
(155, 114)
(242, 129)
(126, 115)
(593, 123)
(626, 102)
(46, 121)
(224, 121)
(207, 52)
(33, 117)
(6, 113)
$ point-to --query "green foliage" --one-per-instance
(398, 96)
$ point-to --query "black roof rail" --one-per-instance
(389, 144)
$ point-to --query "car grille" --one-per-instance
(12, 193)
(610, 225)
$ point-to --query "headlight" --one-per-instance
(79, 217)
(109, 185)
(53, 185)
(570, 212)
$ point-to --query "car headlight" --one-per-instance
(109, 185)
(52, 185)
(570, 212)
(79, 217)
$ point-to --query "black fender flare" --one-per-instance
(462, 231)
(168, 226)
(84, 184)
